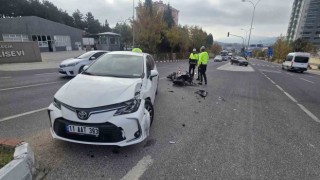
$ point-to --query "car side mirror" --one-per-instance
(85, 68)
(92, 58)
(153, 74)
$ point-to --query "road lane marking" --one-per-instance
(34, 85)
(309, 113)
(307, 80)
(45, 74)
(22, 114)
(5, 77)
(137, 171)
(162, 78)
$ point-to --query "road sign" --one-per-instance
(270, 51)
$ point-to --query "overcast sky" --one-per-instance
(215, 16)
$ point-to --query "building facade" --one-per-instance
(305, 21)
(49, 35)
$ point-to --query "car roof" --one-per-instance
(299, 54)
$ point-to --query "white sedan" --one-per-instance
(74, 66)
(109, 103)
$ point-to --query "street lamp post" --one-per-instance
(133, 23)
(254, 10)
(246, 38)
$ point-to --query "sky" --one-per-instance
(217, 17)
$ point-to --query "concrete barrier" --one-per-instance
(19, 52)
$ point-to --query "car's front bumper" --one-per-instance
(298, 69)
(69, 71)
(120, 130)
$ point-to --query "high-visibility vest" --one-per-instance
(138, 50)
(203, 58)
(194, 56)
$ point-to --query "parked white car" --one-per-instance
(296, 61)
(73, 66)
(109, 103)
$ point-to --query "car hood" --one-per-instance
(85, 91)
(71, 60)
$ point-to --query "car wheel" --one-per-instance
(80, 69)
(282, 67)
(149, 107)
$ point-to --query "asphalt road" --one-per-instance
(257, 122)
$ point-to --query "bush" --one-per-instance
(319, 66)
(6, 155)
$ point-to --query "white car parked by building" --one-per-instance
(73, 66)
(109, 103)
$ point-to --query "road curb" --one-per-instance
(23, 166)
(170, 61)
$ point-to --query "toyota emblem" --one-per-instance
(82, 115)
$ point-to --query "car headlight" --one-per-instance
(56, 103)
(130, 106)
(72, 64)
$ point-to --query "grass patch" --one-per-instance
(6, 155)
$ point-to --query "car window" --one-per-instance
(150, 65)
(117, 65)
(86, 55)
(151, 61)
(98, 54)
(299, 59)
(289, 58)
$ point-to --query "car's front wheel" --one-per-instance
(149, 107)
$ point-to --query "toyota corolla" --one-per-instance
(109, 103)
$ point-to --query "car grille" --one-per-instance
(108, 133)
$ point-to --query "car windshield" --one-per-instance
(86, 55)
(117, 65)
(300, 59)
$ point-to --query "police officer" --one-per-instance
(193, 60)
(202, 63)
(138, 50)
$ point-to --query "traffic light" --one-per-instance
(228, 34)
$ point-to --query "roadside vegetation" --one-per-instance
(6, 155)
(155, 31)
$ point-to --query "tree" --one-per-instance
(173, 37)
(92, 24)
(78, 20)
(149, 6)
(148, 29)
(215, 49)
(302, 45)
(281, 49)
(125, 31)
(105, 27)
(167, 17)
(209, 40)
(197, 37)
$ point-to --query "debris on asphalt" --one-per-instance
(183, 125)
(202, 93)
(181, 80)
(221, 98)
(92, 156)
(171, 91)
(234, 109)
(196, 112)
(172, 142)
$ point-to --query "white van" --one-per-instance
(296, 61)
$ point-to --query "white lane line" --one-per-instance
(34, 85)
(22, 114)
(307, 80)
(5, 77)
(162, 78)
(309, 113)
(137, 171)
(45, 74)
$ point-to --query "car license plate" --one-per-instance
(83, 130)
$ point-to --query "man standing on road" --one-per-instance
(193, 60)
(202, 63)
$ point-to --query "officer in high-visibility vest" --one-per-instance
(138, 50)
(202, 63)
(193, 60)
